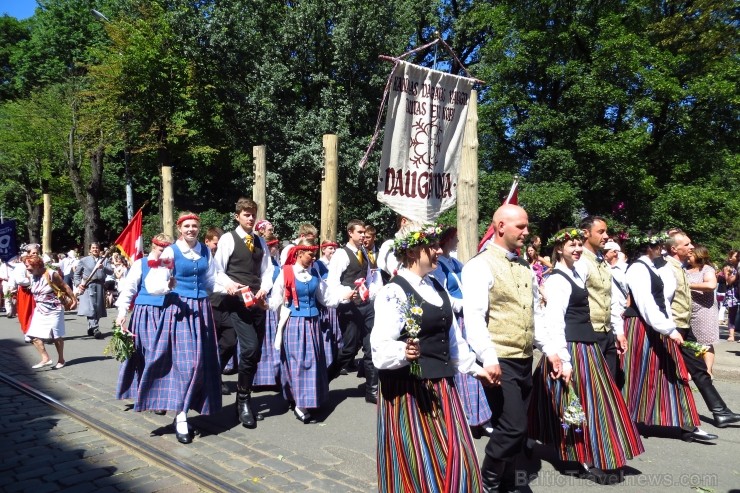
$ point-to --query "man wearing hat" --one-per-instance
(598, 278)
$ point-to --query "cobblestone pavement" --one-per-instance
(282, 454)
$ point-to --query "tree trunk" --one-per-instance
(92, 197)
(33, 207)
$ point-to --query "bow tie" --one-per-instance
(513, 257)
(599, 257)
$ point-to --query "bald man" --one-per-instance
(499, 297)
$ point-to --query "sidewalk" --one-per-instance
(726, 358)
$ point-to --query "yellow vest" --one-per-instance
(510, 305)
(681, 304)
(599, 286)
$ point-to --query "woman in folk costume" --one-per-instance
(656, 387)
(268, 369)
(24, 300)
(332, 333)
(449, 272)
(424, 442)
(144, 323)
(184, 373)
(47, 322)
(303, 363)
(603, 436)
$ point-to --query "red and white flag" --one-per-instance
(512, 198)
(130, 242)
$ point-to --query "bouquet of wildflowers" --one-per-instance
(411, 313)
(573, 414)
(121, 345)
(699, 349)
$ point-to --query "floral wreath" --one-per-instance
(651, 239)
(564, 235)
(427, 235)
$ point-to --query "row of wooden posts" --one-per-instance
(467, 190)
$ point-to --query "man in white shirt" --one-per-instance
(499, 298)
(354, 301)
(245, 260)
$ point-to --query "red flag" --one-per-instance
(129, 242)
(512, 198)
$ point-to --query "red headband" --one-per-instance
(163, 244)
(186, 217)
(293, 253)
(328, 244)
(272, 242)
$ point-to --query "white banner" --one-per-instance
(422, 144)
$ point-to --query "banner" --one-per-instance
(129, 242)
(422, 144)
(8, 244)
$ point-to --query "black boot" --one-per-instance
(723, 416)
(508, 478)
(371, 382)
(492, 471)
(244, 409)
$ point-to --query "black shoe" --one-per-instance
(161, 412)
(306, 418)
(697, 436)
(225, 389)
(343, 371)
(183, 437)
(244, 412)
(97, 334)
(725, 418)
(476, 431)
(90, 332)
(230, 371)
(492, 472)
(371, 398)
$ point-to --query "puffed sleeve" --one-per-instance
(388, 352)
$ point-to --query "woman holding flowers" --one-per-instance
(303, 373)
(184, 373)
(582, 413)
(424, 443)
(144, 323)
(656, 387)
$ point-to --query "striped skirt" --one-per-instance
(656, 387)
(143, 324)
(331, 333)
(472, 396)
(424, 443)
(268, 369)
(181, 370)
(302, 363)
(608, 437)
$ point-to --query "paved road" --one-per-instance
(335, 455)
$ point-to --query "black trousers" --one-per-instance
(695, 364)
(249, 324)
(608, 346)
(509, 404)
(226, 335)
(355, 323)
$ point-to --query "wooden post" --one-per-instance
(329, 188)
(259, 190)
(46, 235)
(168, 203)
(467, 186)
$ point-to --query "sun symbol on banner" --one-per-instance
(425, 143)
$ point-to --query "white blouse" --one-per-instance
(160, 284)
(389, 353)
(638, 280)
(277, 297)
(557, 291)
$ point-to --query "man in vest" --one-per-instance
(597, 272)
(499, 296)
(353, 298)
(244, 258)
(679, 247)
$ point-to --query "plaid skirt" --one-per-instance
(424, 443)
(330, 333)
(144, 321)
(607, 437)
(656, 387)
(470, 390)
(268, 369)
(303, 364)
(180, 369)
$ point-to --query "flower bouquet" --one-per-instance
(121, 345)
(573, 414)
(699, 349)
(412, 317)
